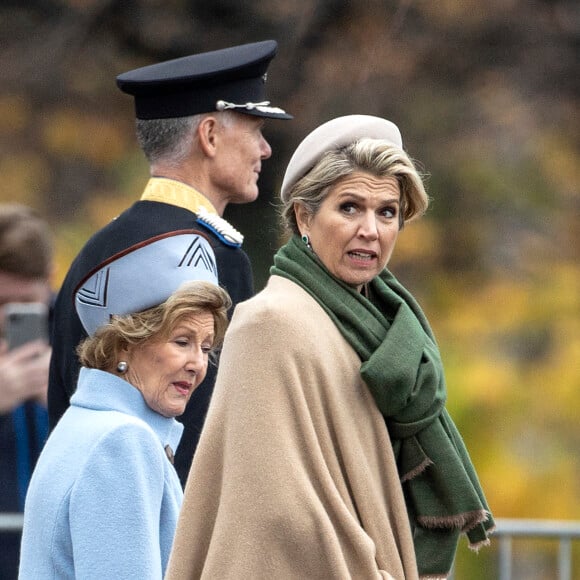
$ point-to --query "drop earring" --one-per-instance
(122, 367)
(306, 240)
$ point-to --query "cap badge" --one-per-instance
(263, 107)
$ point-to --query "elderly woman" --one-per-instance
(327, 451)
(104, 498)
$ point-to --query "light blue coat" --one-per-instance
(104, 499)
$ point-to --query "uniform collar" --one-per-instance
(165, 190)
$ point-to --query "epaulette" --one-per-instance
(220, 227)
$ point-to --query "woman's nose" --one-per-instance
(368, 226)
(196, 361)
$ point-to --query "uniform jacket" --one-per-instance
(103, 500)
(294, 476)
(143, 220)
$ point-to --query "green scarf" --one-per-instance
(402, 367)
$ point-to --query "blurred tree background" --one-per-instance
(487, 98)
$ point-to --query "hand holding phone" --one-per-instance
(25, 322)
(25, 356)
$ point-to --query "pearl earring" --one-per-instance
(122, 367)
(306, 240)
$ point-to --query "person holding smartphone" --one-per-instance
(26, 256)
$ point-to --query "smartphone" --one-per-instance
(25, 322)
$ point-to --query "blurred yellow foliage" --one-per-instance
(14, 113)
(477, 382)
(511, 349)
(69, 238)
(559, 162)
(106, 206)
(506, 484)
(75, 134)
(452, 11)
(418, 241)
(25, 179)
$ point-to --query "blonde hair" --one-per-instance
(375, 156)
(101, 351)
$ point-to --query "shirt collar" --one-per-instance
(173, 192)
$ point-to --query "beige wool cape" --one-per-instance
(294, 476)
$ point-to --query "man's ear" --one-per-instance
(206, 134)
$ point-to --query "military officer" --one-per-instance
(199, 124)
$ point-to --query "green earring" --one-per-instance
(306, 240)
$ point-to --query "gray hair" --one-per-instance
(170, 141)
(375, 156)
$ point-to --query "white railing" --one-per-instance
(508, 530)
(562, 531)
(11, 522)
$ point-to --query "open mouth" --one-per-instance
(362, 255)
(183, 387)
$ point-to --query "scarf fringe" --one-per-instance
(476, 546)
(417, 470)
(464, 522)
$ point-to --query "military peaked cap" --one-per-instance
(229, 79)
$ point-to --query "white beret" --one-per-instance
(332, 135)
(143, 276)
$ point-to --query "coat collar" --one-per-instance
(102, 391)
